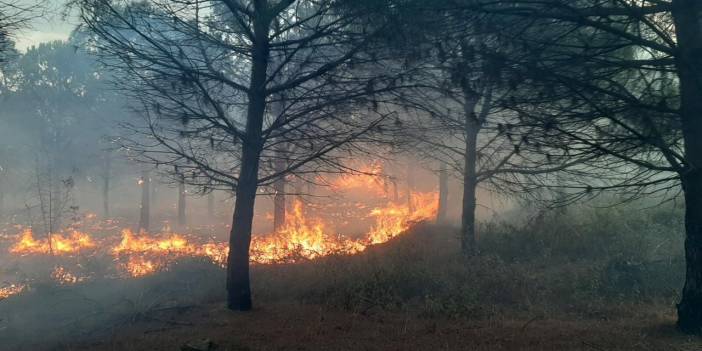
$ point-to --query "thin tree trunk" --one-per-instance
(238, 284)
(182, 219)
(279, 209)
(470, 180)
(443, 194)
(154, 195)
(145, 205)
(211, 204)
(106, 185)
(2, 204)
(688, 22)
(410, 185)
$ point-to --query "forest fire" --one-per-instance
(304, 236)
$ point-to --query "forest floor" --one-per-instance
(305, 327)
(414, 293)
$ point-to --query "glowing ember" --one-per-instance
(12, 289)
(62, 276)
(139, 266)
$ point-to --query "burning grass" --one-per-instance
(303, 237)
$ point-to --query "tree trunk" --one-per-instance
(470, 180)
(2, 203)
(182, 219)
(443, 194)
(106, 185)
(688, 22)
(145, 205)
(238, 284)
(154, 195)
(279, 184)
(211, 204)
(279, 204)
(410, 185)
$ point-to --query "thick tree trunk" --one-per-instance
(238, 284)
(443, 194)
(145, 205)
(182, 219)
(688, 22)
(470, 180)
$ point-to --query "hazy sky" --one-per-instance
(51, 26)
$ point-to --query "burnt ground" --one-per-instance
(305, 327)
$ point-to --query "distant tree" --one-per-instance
(145, 204)
(14, 15)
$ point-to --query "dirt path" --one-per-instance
(288, 327)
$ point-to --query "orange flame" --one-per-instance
(300, 237)
(395, 219)
(58, 244)
(367, 178)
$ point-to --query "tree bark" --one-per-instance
(470, 179)
(443, 194)
(182, 219)
(238, 284)
(145, 205)
(688, 22)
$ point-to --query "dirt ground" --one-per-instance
(305, 327)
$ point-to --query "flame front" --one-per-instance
(301, 237)
(57, 244)
(304, 236)
(395, 219)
